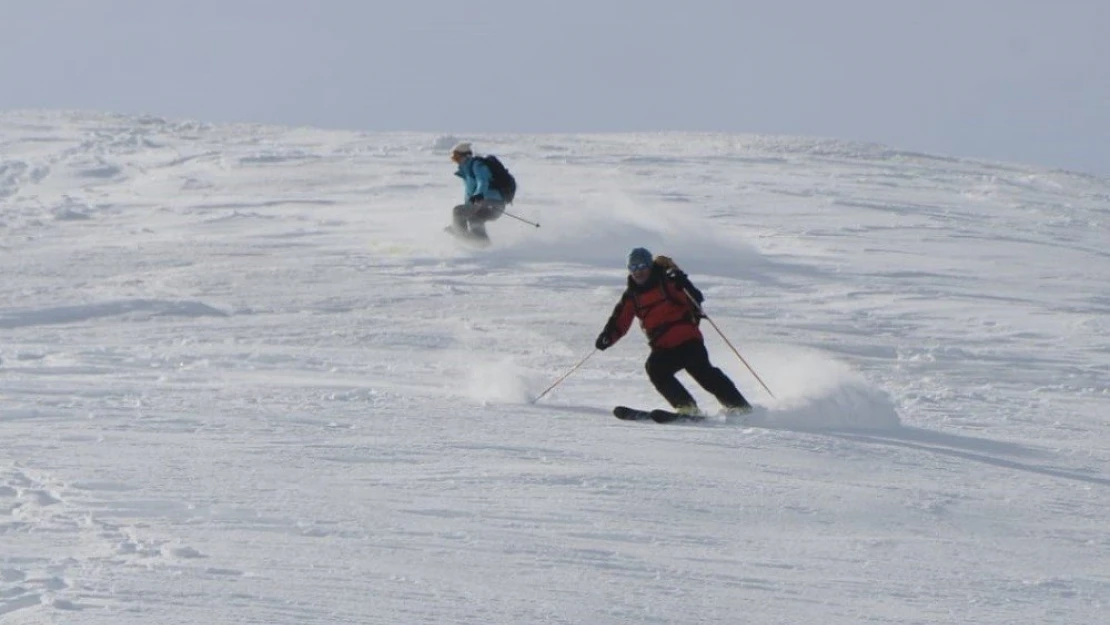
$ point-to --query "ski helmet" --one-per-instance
(639, 258)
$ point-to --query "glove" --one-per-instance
(666, 263)
(603, 341)
(477, 197)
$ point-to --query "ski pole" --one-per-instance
(530, 223)
(735, 351)
(564, 376)
(701, 311)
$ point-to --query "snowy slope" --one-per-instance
(246, 378)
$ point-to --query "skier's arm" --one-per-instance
(482, 177)
(682, 281)
(679, 277)
(468, 187)
(619, 323)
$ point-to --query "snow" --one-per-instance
(246, 378)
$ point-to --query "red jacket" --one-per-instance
(666, 314)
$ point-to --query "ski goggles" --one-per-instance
(638, 266)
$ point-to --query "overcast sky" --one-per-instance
(1014, 80)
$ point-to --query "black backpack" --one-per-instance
(501, 179)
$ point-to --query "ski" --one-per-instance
(659, 416)
(467, 239)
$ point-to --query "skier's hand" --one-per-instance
(665, 262)
(477, 197)
(603, 341)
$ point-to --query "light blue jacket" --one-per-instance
(476, 178)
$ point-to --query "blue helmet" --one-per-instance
(639, 257)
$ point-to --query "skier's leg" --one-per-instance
(662, 365)
(712, 379)
(496, 209)
(486, 211)
(477, 225)
(461, 214)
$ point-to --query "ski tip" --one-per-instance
(630, 414)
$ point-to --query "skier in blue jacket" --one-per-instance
(481, 202)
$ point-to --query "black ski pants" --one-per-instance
(663, 364)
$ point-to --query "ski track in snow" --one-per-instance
(245, 378)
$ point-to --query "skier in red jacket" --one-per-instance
(659, 295)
